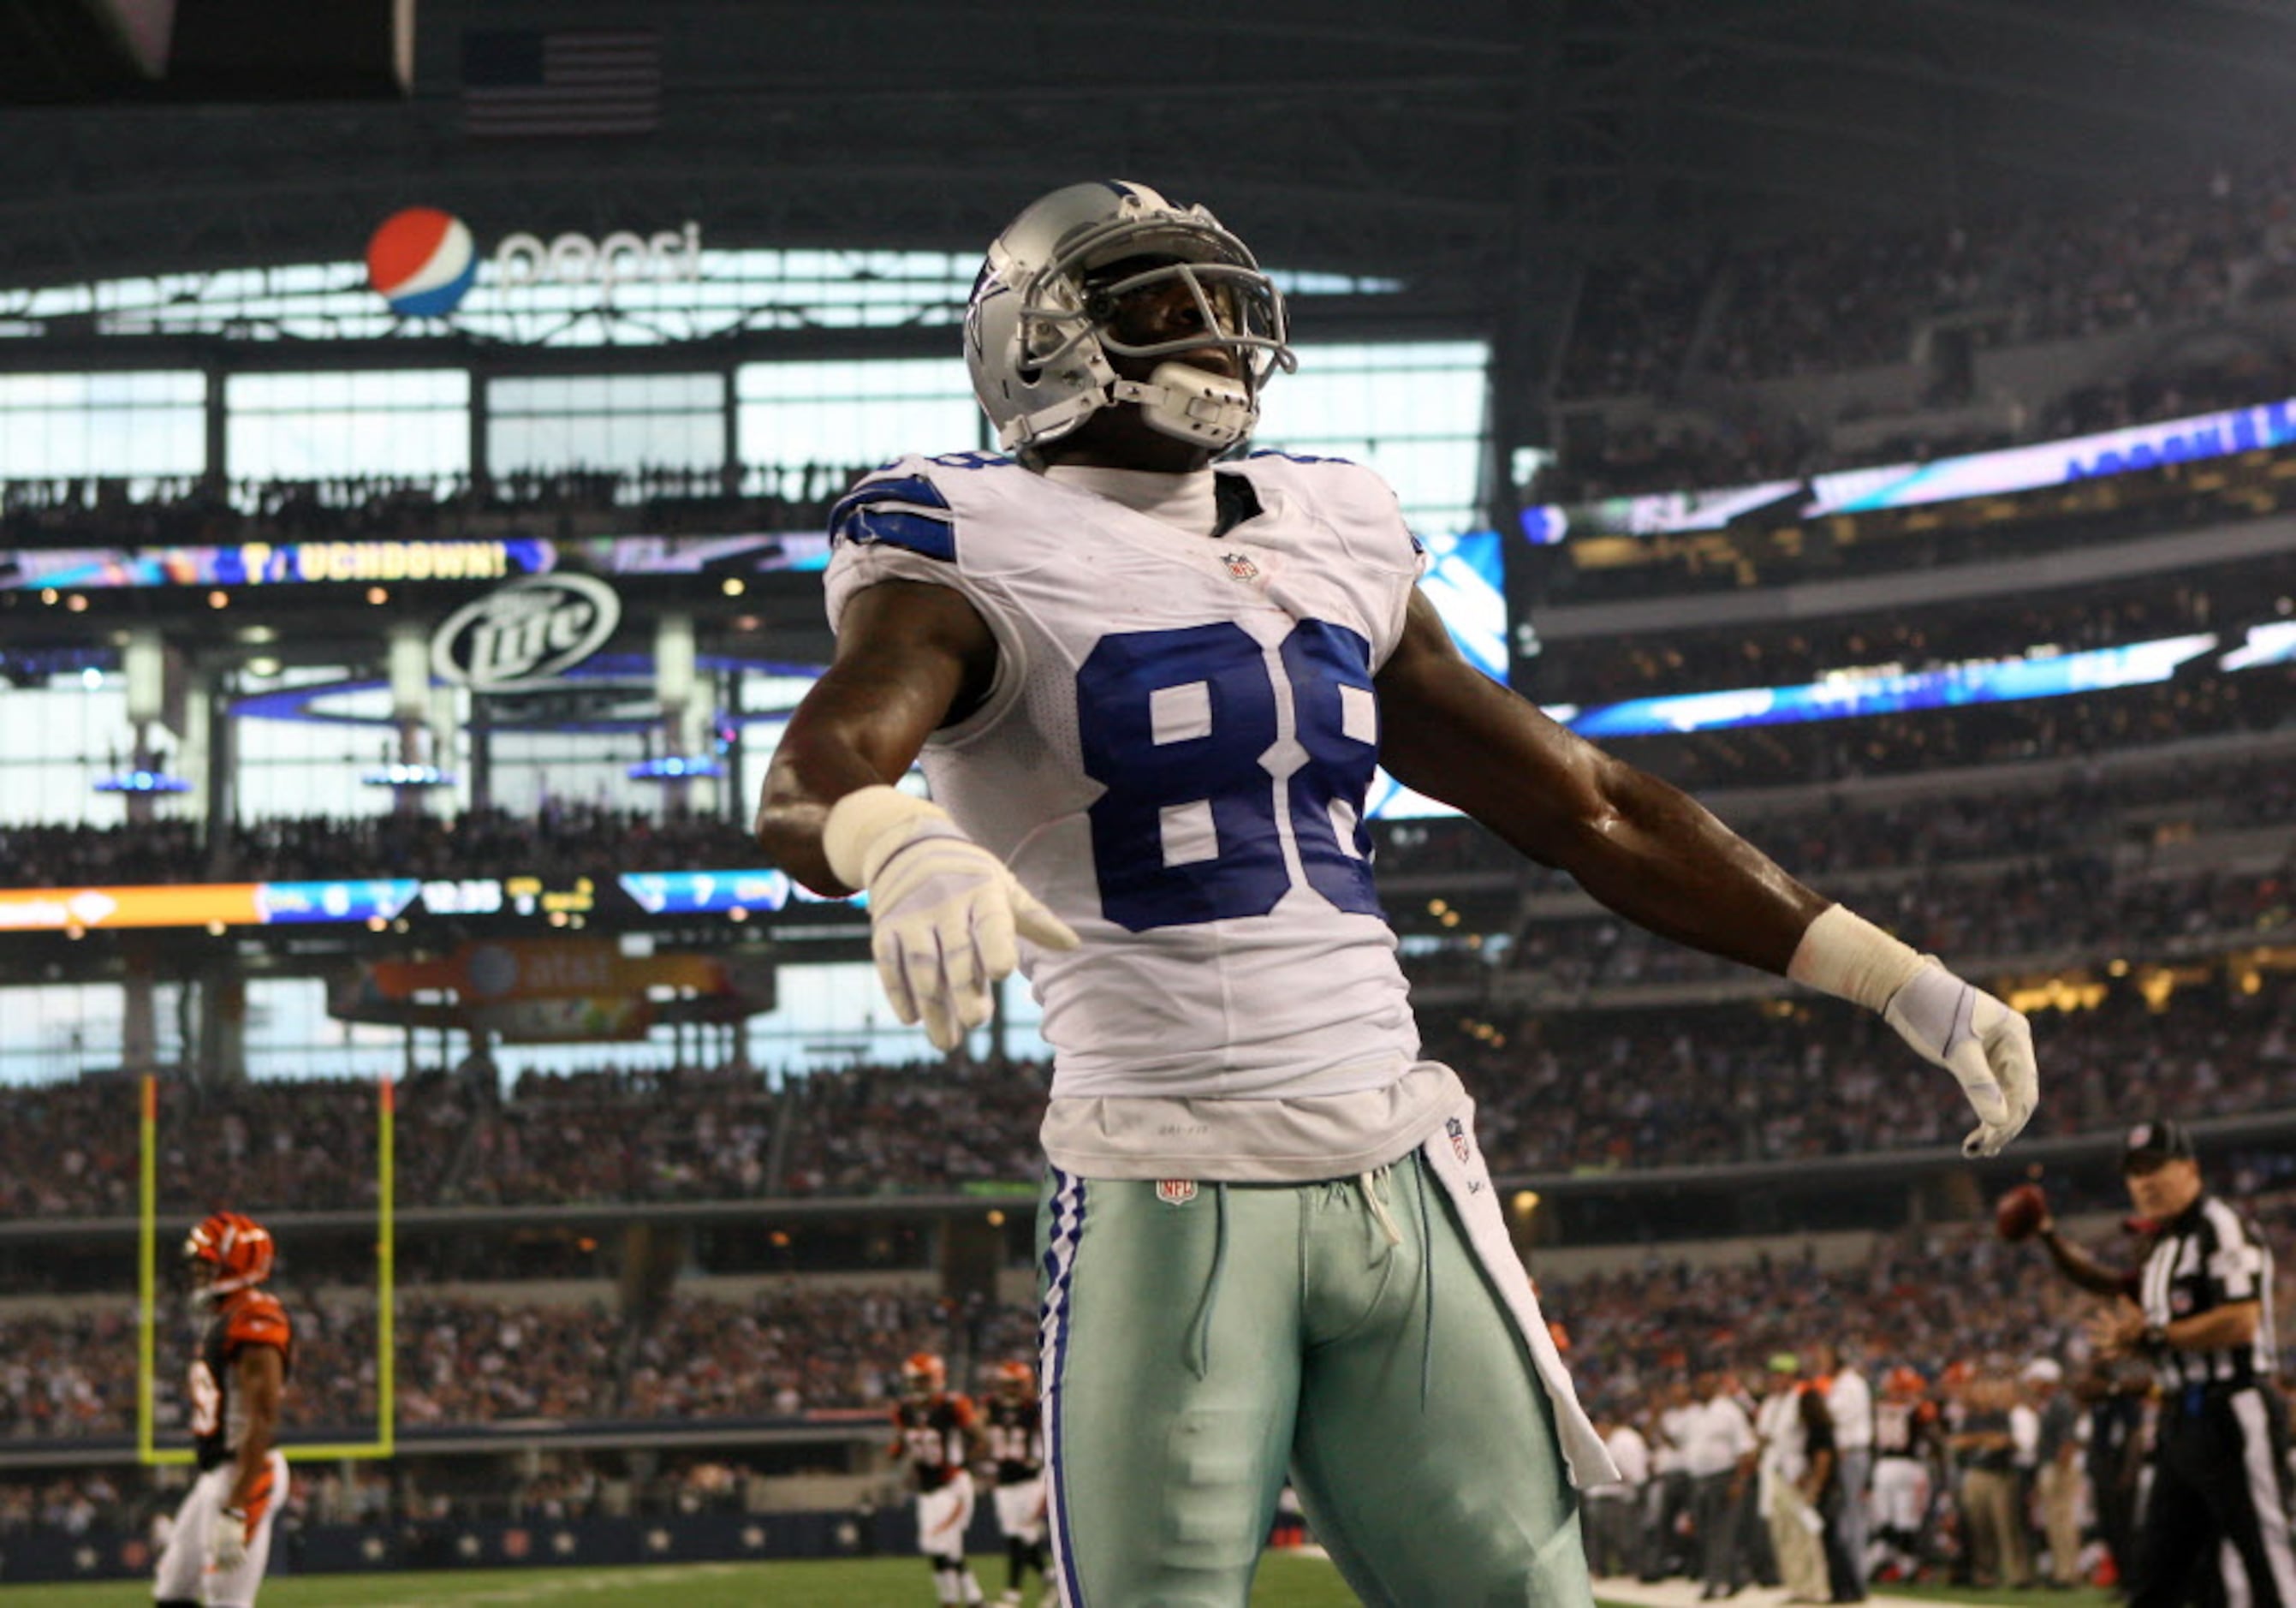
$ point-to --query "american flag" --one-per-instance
(573, 81)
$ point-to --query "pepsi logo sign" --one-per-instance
(622, 257)
(525, 635)
(423, 262)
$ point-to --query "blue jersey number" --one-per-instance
(1178, 726)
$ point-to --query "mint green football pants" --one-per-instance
(1200, 1341)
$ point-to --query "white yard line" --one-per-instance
(1683, 1593)
(550, 1591)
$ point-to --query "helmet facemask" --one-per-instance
(1236, 311)
(1073, 267)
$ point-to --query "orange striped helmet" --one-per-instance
(924, 1374)
(236, 1246)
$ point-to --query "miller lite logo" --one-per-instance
(1240, 566)
(1458, 1132)
(525, 635)
(1176, 1192)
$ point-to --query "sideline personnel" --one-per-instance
(2195, 1310)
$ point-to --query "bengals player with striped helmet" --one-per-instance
(221, 1544)
(936, 1432)
(1016, 1436)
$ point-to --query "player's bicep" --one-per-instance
(260, 1377)
(1448, 731)
(911, 657)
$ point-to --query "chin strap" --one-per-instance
(1193, 404)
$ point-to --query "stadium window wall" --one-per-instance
(290, 1034)
(411, 424)
(622, 423)
(833, 1016)
(846, 414)
(531, 771)
(127, 425)
(1412, 410)
(57, 1030)
(61, 738)
(312, 767)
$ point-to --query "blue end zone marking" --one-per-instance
(1065, 1236)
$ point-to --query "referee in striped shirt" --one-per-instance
(2199, 1309)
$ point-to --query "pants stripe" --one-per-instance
(1053, 1339)
(2264, 1495)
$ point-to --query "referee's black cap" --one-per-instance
(2150, 1144)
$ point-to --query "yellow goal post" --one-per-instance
(383, 1445)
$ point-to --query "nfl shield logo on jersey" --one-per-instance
(1240, 566)
(1458, 1132)
(1176, 1192)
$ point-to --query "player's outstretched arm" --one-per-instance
(2078, 1266)
(910, 658)
(1658, 858)
(945, 915)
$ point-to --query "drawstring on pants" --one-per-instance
(1374, 1184)
(1200, 1332)
(1427, 1283)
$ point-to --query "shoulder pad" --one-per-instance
(259, 1320)
(896, 509)
(898, 505)
(1300, 457)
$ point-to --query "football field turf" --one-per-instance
(1284, 1582)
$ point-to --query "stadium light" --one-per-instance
(142, 781)
(674, 767)
(408, 776)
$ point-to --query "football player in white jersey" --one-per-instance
(1148, 693)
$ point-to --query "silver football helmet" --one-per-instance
(1041, 323)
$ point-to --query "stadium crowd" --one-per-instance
(564, 837)
(1970, 1339)
(2059, 911)
(786, 1352)
(1565, 1095)
(1560, 1092)
(71, 1150)
(181, 511)
(1828, 303)
(2226, 599)
(1978, 821)
(2090, 810)
(2197, 704)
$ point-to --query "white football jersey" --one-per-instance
(1174, 758)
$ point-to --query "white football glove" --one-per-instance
(944, 913)
(227, 1540)
(1986, 1046)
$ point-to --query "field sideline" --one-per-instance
(1284, 1582)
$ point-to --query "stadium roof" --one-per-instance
(1338, 134)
